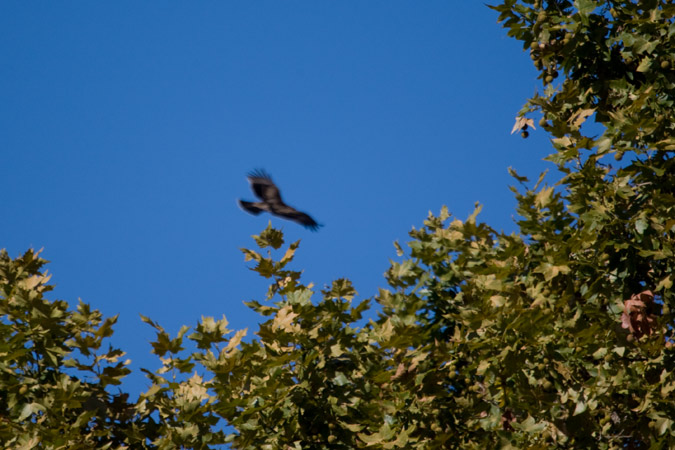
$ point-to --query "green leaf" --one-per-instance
(340, 379)
(585, 6)
(579, 408)
(543, 197)
(472, 218)
(288, 256)
(270, 237)
(530, 425)
(645, 64)
(619, 350)
(29, 409)
(515, 175)
(665, 283)
(341, 288)
(600, 353)
(482, 367)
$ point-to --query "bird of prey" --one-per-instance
(264, 188)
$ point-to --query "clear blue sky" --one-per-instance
(127, 128)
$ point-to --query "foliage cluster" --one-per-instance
(557, 336)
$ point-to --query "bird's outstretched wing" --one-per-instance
(302, 218)
(263, 187)
(252, 207)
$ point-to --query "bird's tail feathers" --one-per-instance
(314, 226)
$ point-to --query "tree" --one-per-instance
(54, 380)
(560, 335)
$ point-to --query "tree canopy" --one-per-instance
(559, 335)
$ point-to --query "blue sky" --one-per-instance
(127, 129)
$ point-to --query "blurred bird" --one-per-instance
(265, 189)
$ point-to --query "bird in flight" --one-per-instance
(264, 188)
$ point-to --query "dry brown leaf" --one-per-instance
(636, 317)
(522, 123)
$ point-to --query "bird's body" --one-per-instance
(264, 188)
